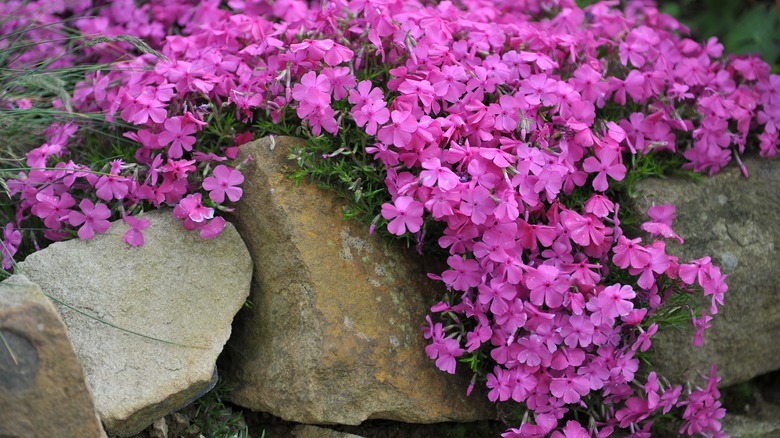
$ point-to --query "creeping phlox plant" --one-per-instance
(507, 126)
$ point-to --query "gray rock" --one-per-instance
(42, 386)
(333, 336)
(734, 220)
(738, 426)
(307, 431)
(176, 288)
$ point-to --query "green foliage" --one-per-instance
(217, 420)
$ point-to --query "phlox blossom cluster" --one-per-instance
(486, 117)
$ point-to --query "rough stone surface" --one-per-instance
(333, 335)
(307, 431)
(734, 220)
(42, 386)
(738, 426)
(177, 288)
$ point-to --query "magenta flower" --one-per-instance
(615, 300)
(178, 135)
(111, 187)
(224, 182)
(213, 228)
(608, 163)
(546, 286)
(314, 89)
(94, 219)
(134, 235)
(192, 207)
(9, 244)
(442, 349)
(371, 115)
(570, 388)
(53, 209)
(406, 213)
(630, 253)
(463, 275)
(436, 173)
(399, 131)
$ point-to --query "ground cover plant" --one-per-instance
(504, 134)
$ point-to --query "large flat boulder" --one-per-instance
(42, 386)
(333, 335)
(734, 220)
(165, 311)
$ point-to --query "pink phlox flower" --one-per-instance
(599, 206)
(371, 115)
(406, 213)
(583, 230)
(546, 286)
(441, 204)
(332, 53)
(590, 84)
(608, 163)
(499, 294)
(569, 388)
(364, 94)
(444, 350)
(435, 173)
(703, 411)
(178, 169)
(714, 283)
(112, 186)
(399, 131)
(542, 61)
(134, 235)
(201, 157)
(483, 172)
(319, 117)
(178, 135)
(628, 252)
(477, 204)
(579, 330)
(499, 384)
(449, 82)
(192, 207)
(523, 383)
(463, 275)
(94, 219)
(534, 351)
(145, 137)
(615, 300)
(481, 82)
(508, 208)
(539, 90)
(573, 429)
(636, 410)
(9, 244)
(658, 263)
(643, 341)
(420, 90)
(213, 228)
(694, 271)
(341, 80)
(37, 157)
(661, 229)
(480, 334)
(224, 182)
(506, 112)
(313, 89)
(53, 209)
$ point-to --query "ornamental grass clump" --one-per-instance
(506, 133)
